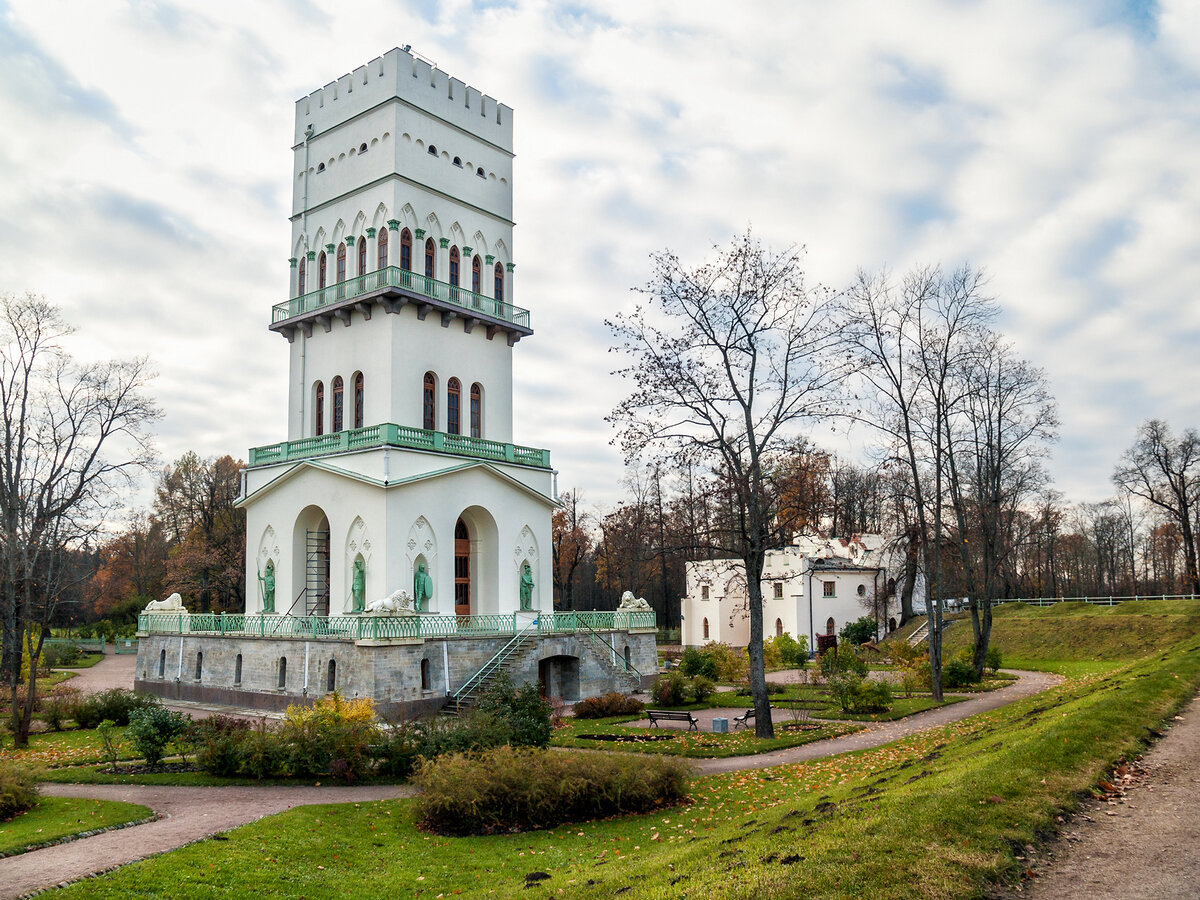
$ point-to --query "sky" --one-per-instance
(145, 170)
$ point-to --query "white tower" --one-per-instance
(400, 326)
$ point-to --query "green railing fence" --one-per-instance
(381, 628)
(392, 435)
(394, 276)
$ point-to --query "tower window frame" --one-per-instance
(429, 402)
(453, 406)
(322, 270)
(303, 279)
(430, 258)
(341, 262)
(337, 405)
(476, 274)
(498, 282)
(455, 262)
(359, 394)
(476, 410)
(381, 253)
(406, 250)
(362, 256)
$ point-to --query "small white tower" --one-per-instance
(401, 326)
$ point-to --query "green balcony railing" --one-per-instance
(394, 276)
(398, 436)
(378, 628)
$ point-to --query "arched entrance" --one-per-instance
(310, 566)
(558, 677)
(462, 569)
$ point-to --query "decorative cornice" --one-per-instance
(510, 266)
(444, 242)
(349, 240)
(329, 248)
(312, 254)
(394, 224)
(466, 251)
(490, 259)
(292, 262)
(420, 233)
(371, 232)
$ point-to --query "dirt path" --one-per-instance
(187, 814)
(1144, 845)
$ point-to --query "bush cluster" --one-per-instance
(675, 689)
(720, 662)
(614, 704)
(18, 789)
(783, 650)
(856, 694)
(59, 654)
(859, 631)
(151, 728)
(842, 659)
(958, 673)
(116, 704)
(506, 789)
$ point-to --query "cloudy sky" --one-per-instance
(145, 168)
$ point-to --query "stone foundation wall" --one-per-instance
(403, 678)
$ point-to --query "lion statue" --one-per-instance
(398, 604)
(631, 603)
(174, 604)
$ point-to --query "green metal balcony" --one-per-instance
(389, 435)
(394, 281)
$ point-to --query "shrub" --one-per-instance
(957, 674)
(60, 705)
(332, 736)
(18, 789)
(693, 662)
(871, 696)
(461, 734)
(843, 686)
(842, 659)
(508, 789)
(116, 704)
(151, 729)
(732, 665)
(859, 631)
(670, 690)
(261, 753)
(902, 653)
(916, 677)
(702, 688)
(994, 659)
(59, 654)
(773, 688)
(398, 749)
(792, 652)
(524, 711)
(107, 730)
(614, 704)
(216, 741)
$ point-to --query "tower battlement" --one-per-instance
(399, 74)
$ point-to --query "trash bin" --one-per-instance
(720, 726)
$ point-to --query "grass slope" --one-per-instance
(59, 817)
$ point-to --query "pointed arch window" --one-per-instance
(406, 250)
(476, 410)
(454, 266)
(302, 278)
(498, 283)
(429, 257)
(338, 404)
(322, 270)
(341, 263)
(706, 629)
(382, 242)
(429, 403)
(453, 415)
(358, 399)
(477, 275)
(319, 410)
(362, 256)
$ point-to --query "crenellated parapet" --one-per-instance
(399, 74)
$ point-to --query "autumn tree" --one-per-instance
(571, 545)
(727, 361)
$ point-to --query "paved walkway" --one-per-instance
(189, 814)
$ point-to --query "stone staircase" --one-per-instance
(507, 658)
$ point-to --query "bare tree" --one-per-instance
(1164, 471)
(72, 435)
(729, 359)
(571, 545)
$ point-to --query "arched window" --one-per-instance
(382, 242)
(338, 405)
(406, 250)
(362, 149)
(628, 658)
(454, 266)
(432, 150)
(830, 626)
(237, 670)
(362, 256)
(779, 628)
(476, 274)
(319, 410)
(479, 172)
(476, 411)
(331, 676)
(302, 280)
(199, 664)
(428, 403)
(320, 167)
(706, 629)
(322, 267)
(453, 392)
(358, 399)
(498, 283)
(458, 162)
(162, 663)
(429, 257)
(341, 263)
(282, 672)
(425, 679)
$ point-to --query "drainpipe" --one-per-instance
(308, 133)
(306, 647)
(179, 670)
(446, 666)
(812, 632)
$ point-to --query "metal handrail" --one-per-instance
(627, 667)
(488, 668)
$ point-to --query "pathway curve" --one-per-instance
(189, 814)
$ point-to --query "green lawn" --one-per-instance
(676, 741)
(84, 662)
(59, 817)
(940, 814)
(62, 748)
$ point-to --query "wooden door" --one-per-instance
(462, 569)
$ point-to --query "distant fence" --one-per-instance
(85, 645)
(125, 645)
(1097, 601)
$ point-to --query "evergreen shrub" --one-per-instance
(152, 728)
(18, 789)
(613, 704)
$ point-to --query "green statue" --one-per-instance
(358, 585)
(267, 586)
(422, 589)
(526, 587)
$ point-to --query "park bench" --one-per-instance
(671, 715)
(743, 720)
